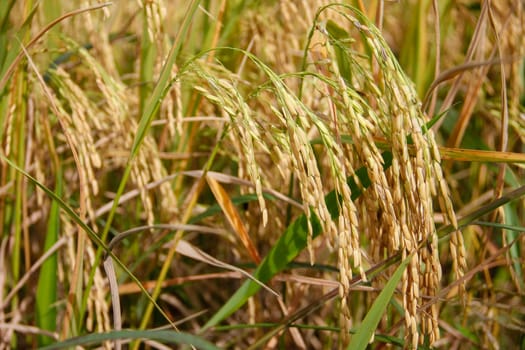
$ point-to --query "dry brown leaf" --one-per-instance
(233, 218)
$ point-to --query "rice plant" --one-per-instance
(262, 174)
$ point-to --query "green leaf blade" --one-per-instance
(167, 337)
(364, 333)
(46, 294)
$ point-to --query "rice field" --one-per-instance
(241, 174)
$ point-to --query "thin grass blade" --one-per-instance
(164, 83)
(187, 249)
(46, 293)
(515, 257)
(364, 333)
(167, 337)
